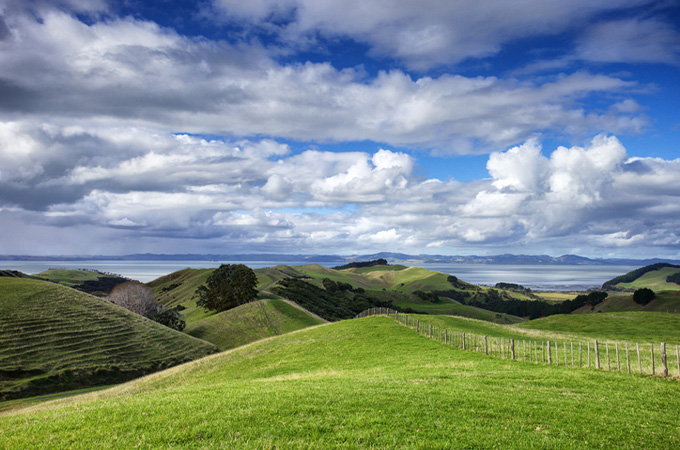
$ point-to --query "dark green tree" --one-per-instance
(643, 296)
(227, 287)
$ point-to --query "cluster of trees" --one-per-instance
(360, 264)
(643, 296)
(139, 298)
(675, 278)
(337, 301)
(227, 287)
(533, 309)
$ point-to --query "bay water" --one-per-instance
(537, 277)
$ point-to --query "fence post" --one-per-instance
(557, 354)
(572, 353)
(651, 346)
(609, 366)
(580, 355)
(549, 354)
(638, 353)
(430, 332)
(597, 356)
(512, 348)
(463, 340)
(664, 365)
(486, 346)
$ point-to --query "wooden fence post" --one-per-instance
(549, 354)
(597, 356)
(606, 345)
(638, 353)
(664, 365)
(512, 348)
(580, 355)
(486, 346)
(463, 340)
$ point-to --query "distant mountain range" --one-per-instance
(392, 258)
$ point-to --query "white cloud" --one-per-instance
(133, 74)
(421, 34)
(637, 40)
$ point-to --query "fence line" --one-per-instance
(544, 352)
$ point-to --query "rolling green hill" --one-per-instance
(90, 281)
(251, 322)
(652, 277)
(54, 338)
(395, 283)
(365, 383)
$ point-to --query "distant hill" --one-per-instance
(91, 281)
(653, 276)
(339, 260)
(54, 338)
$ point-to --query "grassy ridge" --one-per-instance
(367, 383)
(655, 280)
(54, 338)
(251, 322)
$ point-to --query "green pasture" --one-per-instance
(365, 383)
(250, 322)
(54, 338)
(654, 280)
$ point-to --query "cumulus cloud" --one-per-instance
(422, 35)
(134, 73)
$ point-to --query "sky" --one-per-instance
(324, 127)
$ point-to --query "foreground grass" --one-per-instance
(367, 383)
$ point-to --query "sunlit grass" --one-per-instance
(366, 383)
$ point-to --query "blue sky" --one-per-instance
(312, 126)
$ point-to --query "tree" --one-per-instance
(138, 298)
(135, 297)
(227, 287)
(643, 296)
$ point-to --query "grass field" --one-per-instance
(366, 383)
(251, 322)
(654, 280)
(54, 338)
(69, 277)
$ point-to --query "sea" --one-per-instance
(535, 277)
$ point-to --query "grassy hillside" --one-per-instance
(652, 277)
(54, 338)
(620, 326)
(251, 322)
(642, 327)
(90, 281)
(366, 383)
(178, 287)
(655, 280)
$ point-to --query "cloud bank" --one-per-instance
(120, 134)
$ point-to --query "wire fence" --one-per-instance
(642, 358)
